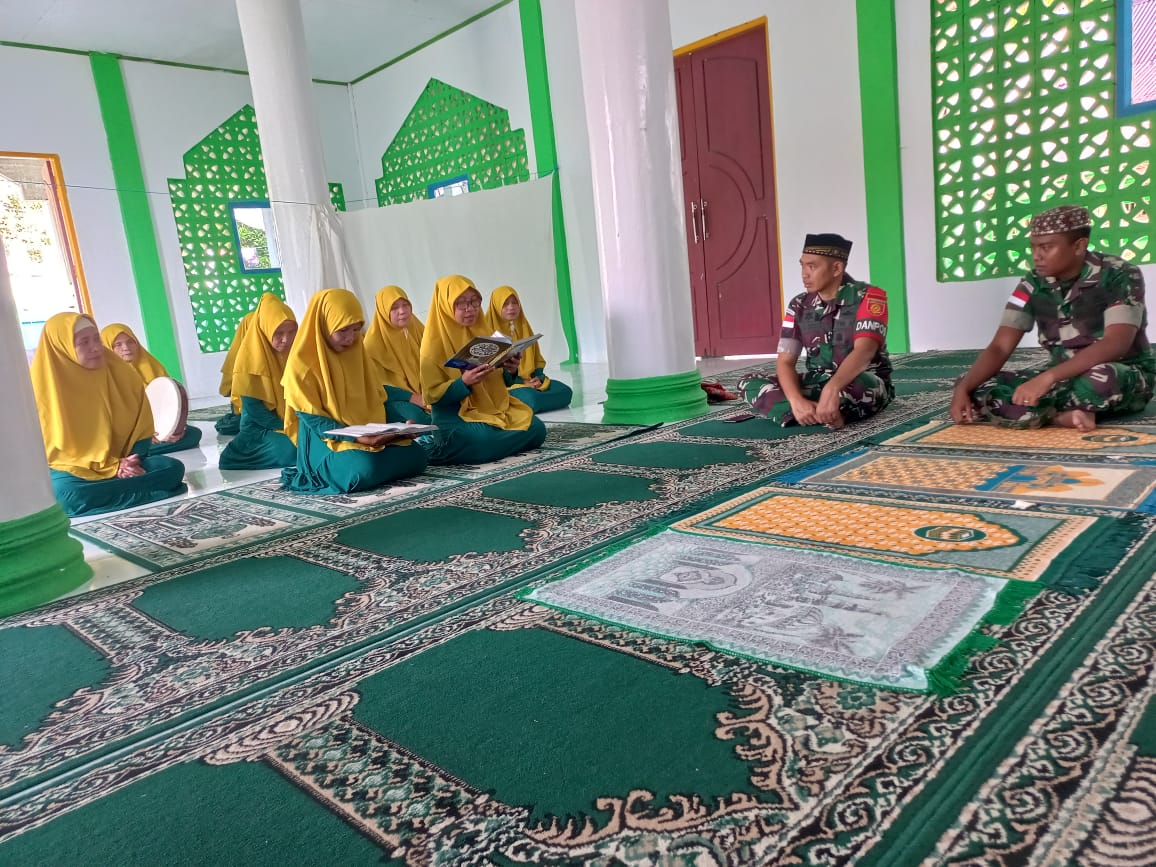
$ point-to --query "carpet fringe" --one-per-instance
(946, 678)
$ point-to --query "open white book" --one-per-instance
(374, 429)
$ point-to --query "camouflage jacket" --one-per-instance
(827, 329)
(1073, 314)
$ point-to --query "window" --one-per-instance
(453, 187)
(256, 237)
(39, 242)
(1136, 49)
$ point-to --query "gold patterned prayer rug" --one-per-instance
(1064, 547)
(1108, 440)
(1101, 484)
(853, 620)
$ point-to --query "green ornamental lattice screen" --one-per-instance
(449, 133)
(1024, 119)
(223, 167)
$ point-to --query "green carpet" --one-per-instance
(400, 705)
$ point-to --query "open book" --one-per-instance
(492, 350)
(374, 429)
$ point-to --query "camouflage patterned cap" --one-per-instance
(1066, 218)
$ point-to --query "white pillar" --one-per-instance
(313, 255)
(38, 560)
(632, 117)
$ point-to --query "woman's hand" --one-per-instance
(129, 468)
(379, 440)
(417, 400)
(475, 375)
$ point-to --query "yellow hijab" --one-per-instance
(519, 329)
(145, 362)
(395, 351)
(489, 401)
(226, 387)
(338, 385)
(257, 368)
(90, 419)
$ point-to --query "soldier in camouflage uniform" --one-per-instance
(1089, 309)
(842, 324)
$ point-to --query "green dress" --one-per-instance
(321, 470)
(190, 440)
(557, 395)
(259, 445)
(163, 478)
(398, 407)
(472, 442)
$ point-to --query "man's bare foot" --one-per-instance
(1080, 419)
(837, 425)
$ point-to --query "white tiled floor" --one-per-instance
(204, 477)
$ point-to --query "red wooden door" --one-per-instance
(688, 136)
(725, 115)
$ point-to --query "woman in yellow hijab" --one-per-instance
(329, 383)
(529, 382)
(121, 340)
(230, 423)
(393, 344)
(477, 418)
(96, 423)
(257, 392)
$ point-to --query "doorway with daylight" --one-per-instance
(728, 173)
(39, 242)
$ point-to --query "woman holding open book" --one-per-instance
(256, 391)
(393, 344)
(330, 383)
(478, 420)
(528, 383)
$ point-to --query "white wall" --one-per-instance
(173, 109)
(943, 315)
(816, 119)
(48, 104)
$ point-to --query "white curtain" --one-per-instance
(499, 237)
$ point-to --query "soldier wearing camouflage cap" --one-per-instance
(842, 324)
(1089, 309)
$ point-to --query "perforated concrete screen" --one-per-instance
(1024, 116)
(225, 166)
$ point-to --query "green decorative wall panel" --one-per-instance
(223, 167)
(449, 133)
(1024, 114)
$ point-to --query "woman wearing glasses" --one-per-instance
(478, 421)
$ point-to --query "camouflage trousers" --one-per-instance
(1106, 389)
(862, 397)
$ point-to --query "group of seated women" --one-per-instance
(289, 385)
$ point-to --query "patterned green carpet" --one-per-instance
(365, 686)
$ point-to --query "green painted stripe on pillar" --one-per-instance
(882, 166)
(143, 253)
(546, 157)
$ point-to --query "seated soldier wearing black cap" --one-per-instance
(1089, 309)
(842, 324)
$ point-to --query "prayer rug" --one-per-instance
(208, 413)
(167, 534)
(856, 621)
(1064, 547)
(1108, 440)
(506, 733)
(1103, 485)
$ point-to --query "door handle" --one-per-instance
(693, 221)
(705, 231)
